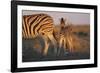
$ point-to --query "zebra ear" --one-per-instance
(62, 23)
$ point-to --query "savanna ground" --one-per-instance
(32, 48)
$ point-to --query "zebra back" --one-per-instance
(36, 24)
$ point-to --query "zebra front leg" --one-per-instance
(65, 48)
(70, 42)
(60, 42)
(46, 46)
(60, 45)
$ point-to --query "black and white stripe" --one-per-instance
(36, 24)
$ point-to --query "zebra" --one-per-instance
(39, 24)
(65, 36)
(62, 41)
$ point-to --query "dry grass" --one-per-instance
(80, 35)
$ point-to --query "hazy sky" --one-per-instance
(74, 18)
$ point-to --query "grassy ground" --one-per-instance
(32, 49)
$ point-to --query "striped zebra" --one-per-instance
(39, 24)
(62, 41)
(65, 39)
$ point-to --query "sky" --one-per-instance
(73, 17)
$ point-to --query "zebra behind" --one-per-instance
(39, 24)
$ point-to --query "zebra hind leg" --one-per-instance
(54, 42)
(46, 46)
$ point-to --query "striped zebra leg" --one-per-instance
(70, 42)
(62, 44)
(54, 42)
(65, 48)
(46, 45)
